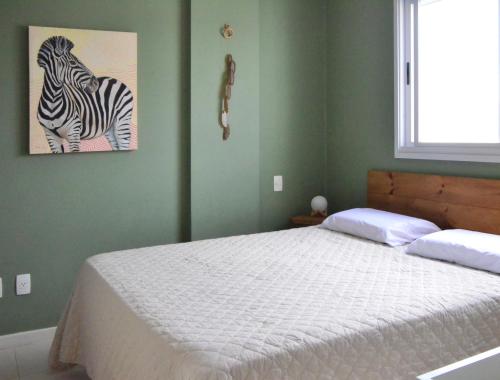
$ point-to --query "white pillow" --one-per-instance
(384, 227)
(469, 248)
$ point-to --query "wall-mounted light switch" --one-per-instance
(278, 183)
(23, 284)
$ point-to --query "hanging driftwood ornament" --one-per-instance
(230, 76)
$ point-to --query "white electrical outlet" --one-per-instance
(23, 284)
(278, 183)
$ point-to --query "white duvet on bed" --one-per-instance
(299, 304)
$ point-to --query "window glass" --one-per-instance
(458, 53)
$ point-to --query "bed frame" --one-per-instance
(450, 202)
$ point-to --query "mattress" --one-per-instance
(305, 303)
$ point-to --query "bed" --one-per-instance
(305, 303)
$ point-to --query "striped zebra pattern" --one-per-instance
(75, 105)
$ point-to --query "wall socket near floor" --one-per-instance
(278, 183)
(23, 284)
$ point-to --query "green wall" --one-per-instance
(277, 114)
(57, 210)
(292, 106)
(361, 103)
(224, 175)
(183, 182)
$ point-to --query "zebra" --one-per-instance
(75, 105)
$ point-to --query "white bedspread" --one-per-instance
(298, 304)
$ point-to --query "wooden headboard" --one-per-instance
(450, 202)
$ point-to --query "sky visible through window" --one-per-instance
(459, 71)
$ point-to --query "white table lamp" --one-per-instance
(319, 206)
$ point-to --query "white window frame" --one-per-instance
(404, 147)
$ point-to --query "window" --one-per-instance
(448, 79)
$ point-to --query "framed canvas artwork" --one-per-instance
(83, 90)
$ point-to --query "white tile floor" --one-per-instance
(29, 361)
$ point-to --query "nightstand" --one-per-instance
(306, 220)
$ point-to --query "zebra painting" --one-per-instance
(76, 106)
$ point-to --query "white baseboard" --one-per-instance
(26, 337)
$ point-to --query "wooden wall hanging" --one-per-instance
(229, 82)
